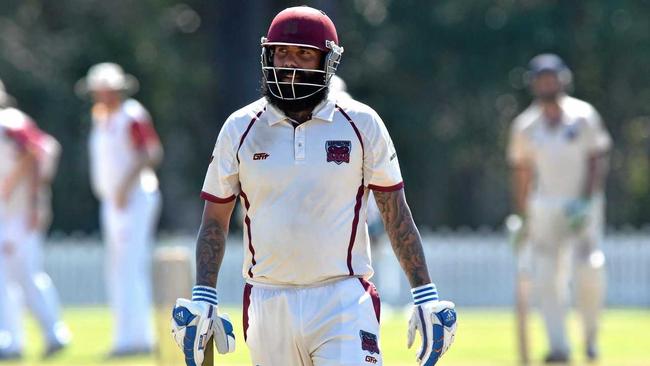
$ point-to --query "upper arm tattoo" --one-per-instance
(210, 248)
(404, 236)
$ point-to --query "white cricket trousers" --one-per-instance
(335, 324)
(557, 255)
(23, 274)
(129, 234)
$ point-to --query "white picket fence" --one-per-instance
(473, 269)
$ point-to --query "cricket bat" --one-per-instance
(523, 289)
(208, 355)
(516, 233)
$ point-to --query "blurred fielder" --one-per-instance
(124, 150)
(303, 162)
(558, 152)
(29, 162)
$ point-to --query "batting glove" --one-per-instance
(517, 229)
(577, 212)
(194, 322)
(435, 321)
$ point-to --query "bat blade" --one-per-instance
(523, 285)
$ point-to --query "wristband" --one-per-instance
(206, 294)
(424, 293)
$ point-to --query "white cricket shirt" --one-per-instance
(17, 133)
(559, 154)
(113, 151)
(304, 189)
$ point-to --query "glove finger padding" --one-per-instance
(412, 329)
(224, 337)
(192, 326)
(436, 323)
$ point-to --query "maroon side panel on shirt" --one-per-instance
(247, 221)
(374, 295)
(247, 204)
(247, 303)
(355, 224)
(360, 191)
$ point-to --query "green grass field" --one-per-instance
(484, 338)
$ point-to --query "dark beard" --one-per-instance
(299, 105)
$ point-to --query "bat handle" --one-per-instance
(208, 355)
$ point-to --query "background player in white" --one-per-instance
(124, 150)
(303, 163)
(558, 152)
(29, 165)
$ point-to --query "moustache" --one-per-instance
(295, 76)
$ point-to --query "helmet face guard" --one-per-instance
(309, 82)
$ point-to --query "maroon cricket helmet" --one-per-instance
(300, 26)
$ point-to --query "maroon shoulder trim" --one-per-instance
(356, 130)
(250, 124)
(360, 191)
(212, 198)
(393, 188)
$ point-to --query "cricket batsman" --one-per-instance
(558, 153)
(302, 162)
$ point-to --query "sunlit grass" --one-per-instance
(485, 338)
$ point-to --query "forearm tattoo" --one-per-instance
(403, 235)
(210, 248)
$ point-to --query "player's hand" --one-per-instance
(436, 322)
(577, 213)
(517, 229)
(224, 336)
(194, 322)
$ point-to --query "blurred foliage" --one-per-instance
(446, 77)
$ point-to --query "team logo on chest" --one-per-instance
(338, 151)
(571, 133)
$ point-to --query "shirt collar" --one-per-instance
(324, 111)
